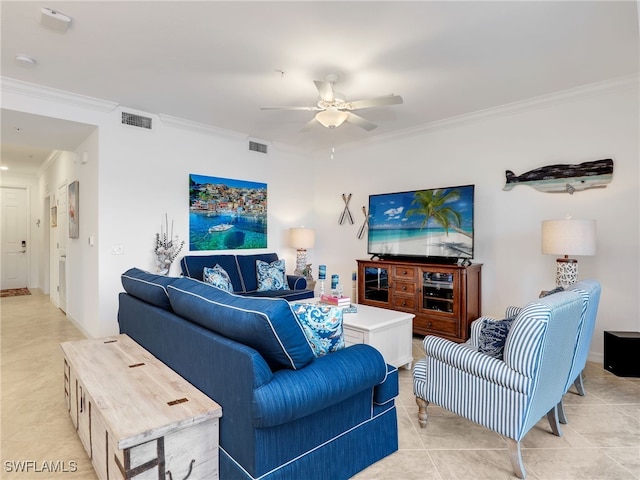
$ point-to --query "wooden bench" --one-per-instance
(135, 416)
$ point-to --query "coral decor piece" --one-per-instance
(167, 248)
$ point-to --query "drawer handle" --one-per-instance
(193, 460)
(404, 272)
(404, 287)
(430, 324)
(404, 304)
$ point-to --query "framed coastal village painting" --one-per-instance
(226, 214)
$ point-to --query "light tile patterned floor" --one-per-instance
(601, 441)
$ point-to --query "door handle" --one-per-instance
(22, 251)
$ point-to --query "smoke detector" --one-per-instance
(54, 19)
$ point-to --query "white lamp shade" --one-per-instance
(332, 117)
(302, 237)
(569, 237)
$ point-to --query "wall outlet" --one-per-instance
(117, 249)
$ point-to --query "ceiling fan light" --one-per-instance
(331, 117)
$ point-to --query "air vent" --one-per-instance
(136, 120)
(257, 147)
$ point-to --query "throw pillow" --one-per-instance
(218, 277)
(271, 275)
(493, 336)
(322, 326)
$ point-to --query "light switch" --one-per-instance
(92, 241)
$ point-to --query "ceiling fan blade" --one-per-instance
(308, 126)
(358, 121)
(276, 107)
(375, 102)
(325, 89)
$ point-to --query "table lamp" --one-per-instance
(301, 239)
(568, 237)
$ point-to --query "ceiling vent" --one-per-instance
(257, 147)
(136, 120)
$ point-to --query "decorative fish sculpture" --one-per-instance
(564, 178)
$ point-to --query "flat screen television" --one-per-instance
(436, 223)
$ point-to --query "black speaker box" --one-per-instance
(622, 353)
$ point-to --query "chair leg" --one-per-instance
(579, 385)
(516, 457)
(561, 415)
(422, 411)
(552, 416)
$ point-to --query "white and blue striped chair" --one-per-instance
(590, 291)
(509, 395)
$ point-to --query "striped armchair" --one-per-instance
(590, 292)
(508, 395)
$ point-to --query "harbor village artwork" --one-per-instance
(226, 214)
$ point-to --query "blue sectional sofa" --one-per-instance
(286, 414)
(242, 273)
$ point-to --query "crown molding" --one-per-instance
(542, 101)
(199, 127)
(51, 94)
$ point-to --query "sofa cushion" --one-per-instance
(322, 325)
(218, 277)
(266, 324)
(271, 276)
(193, 266)
(493, 336)
(150, 287)
(247, 268)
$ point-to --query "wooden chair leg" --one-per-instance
(422, 411)
(516, 457)
(552, 416)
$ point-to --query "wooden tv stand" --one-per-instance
(444, 298)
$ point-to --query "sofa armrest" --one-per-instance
(297, 282)
(328, 380)
(460, 357)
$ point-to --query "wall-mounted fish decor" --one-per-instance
(564, 178)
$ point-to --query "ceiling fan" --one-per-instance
(333, 109)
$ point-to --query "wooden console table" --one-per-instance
(136, 416)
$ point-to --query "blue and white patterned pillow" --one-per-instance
(271, 275)
(493, 336)
(218, 277)
(322, 326)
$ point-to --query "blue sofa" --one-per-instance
(242, 272)
(285, 413)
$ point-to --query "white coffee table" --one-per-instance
(389, 331)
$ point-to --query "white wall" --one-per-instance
(598, 123)
(145, 174)
(134, 177)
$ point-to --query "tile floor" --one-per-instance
(601, 441)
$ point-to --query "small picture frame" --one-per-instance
(54, 216)
(74, 210)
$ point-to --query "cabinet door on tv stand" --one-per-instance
(439, 293)
(374, 285)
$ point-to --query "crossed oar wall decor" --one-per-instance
(346, 214)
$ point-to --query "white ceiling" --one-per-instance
(218, 62)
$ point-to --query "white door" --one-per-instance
(13, 236)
